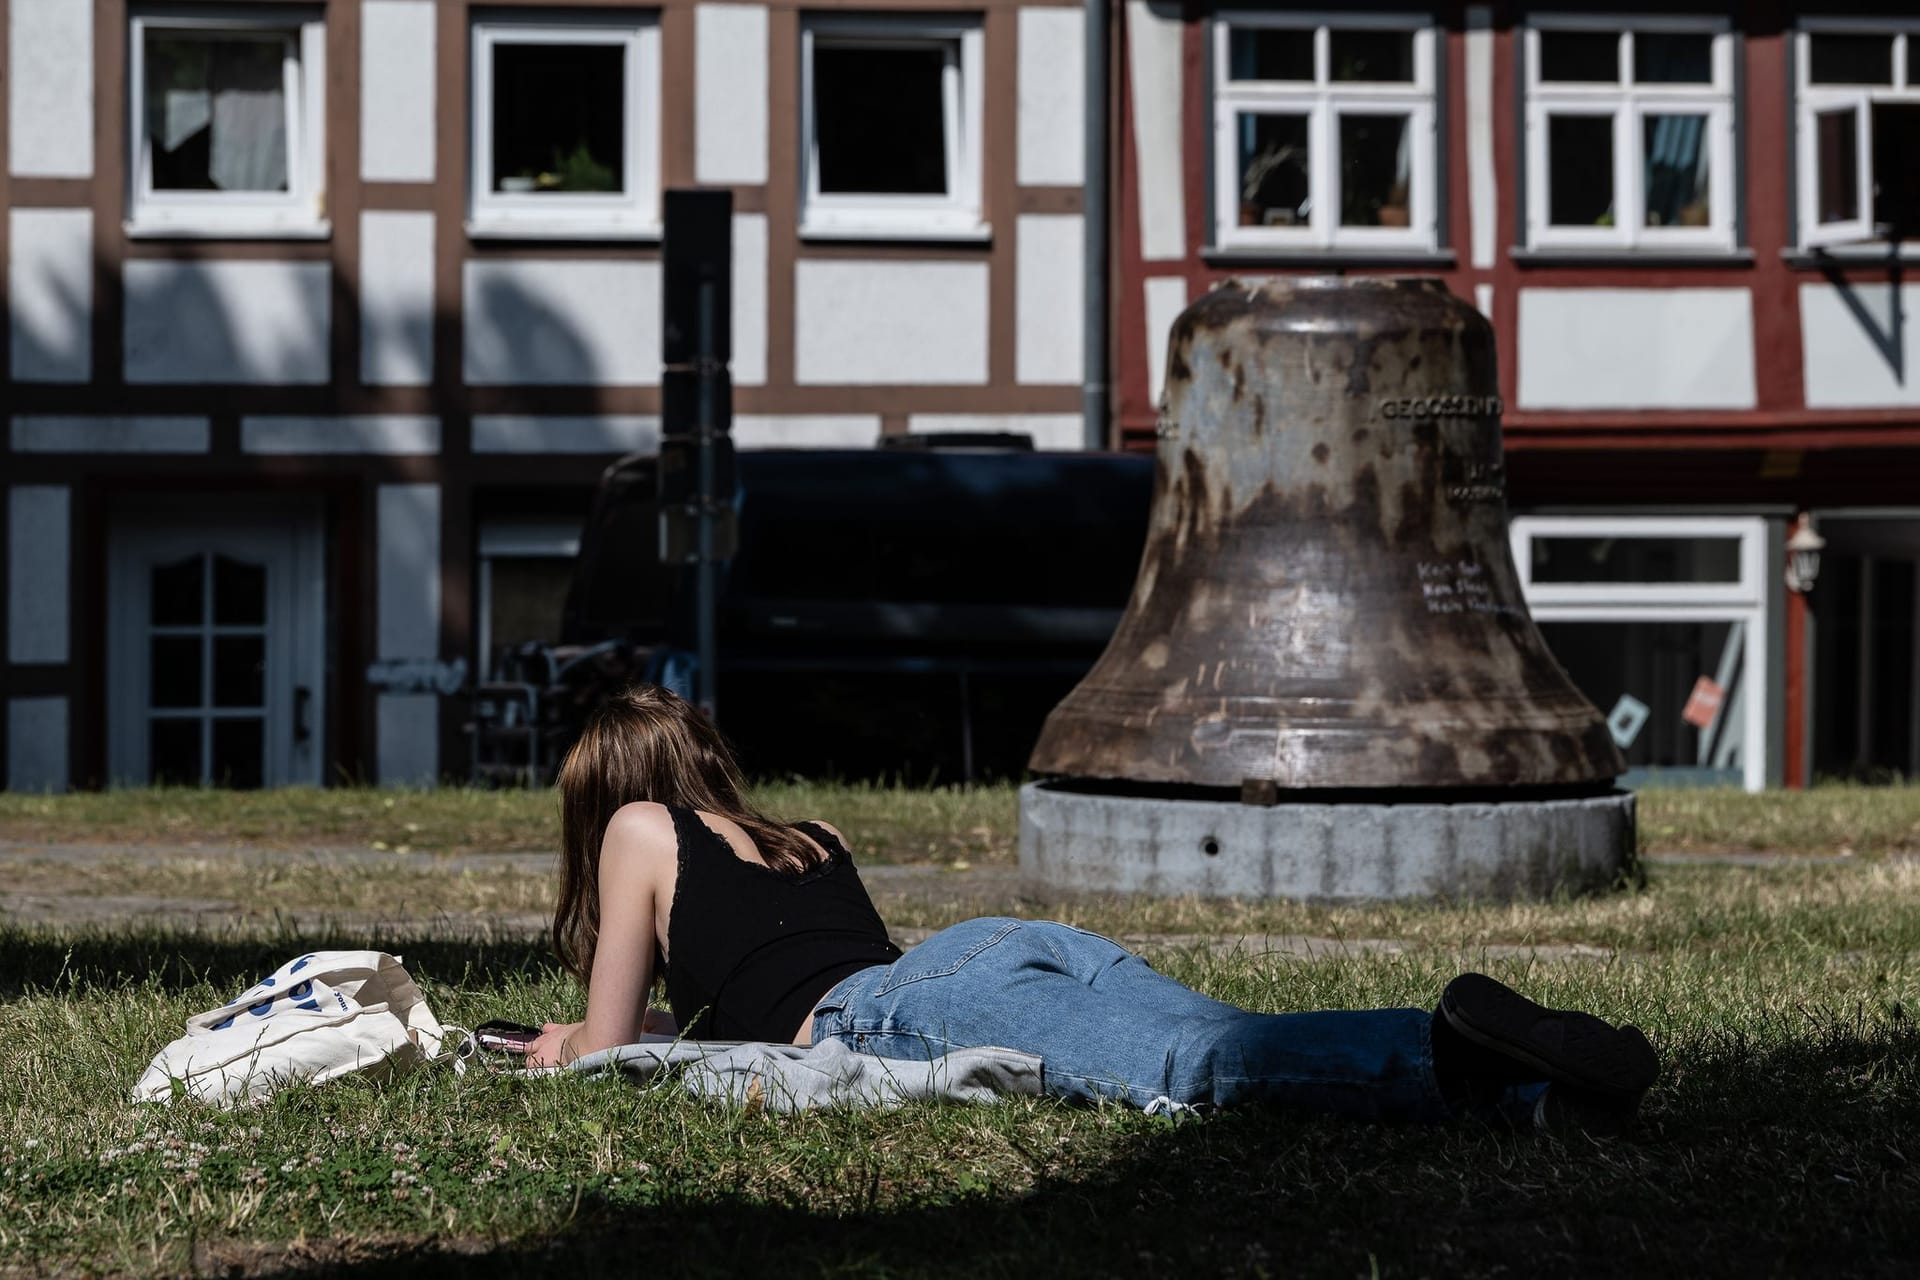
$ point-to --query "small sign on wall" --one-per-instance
(1703, 704)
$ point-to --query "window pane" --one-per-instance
(1674, 159)
(559, 118)
(1270, 53)
(1837, 135)
(1580, 171)
(1658, 664)
(527, 597)
(1273, 165)
(176, 592)
(1850, 59)
(879, 118)
(217, 112)
(1896, 167)
(238, 748)
(174, 671)
(239, 671)
(1586, 558)
(1371, 55)
(173, 752)
(1374, 168)
(1587, 56)
(239, 593)
(1673, 57)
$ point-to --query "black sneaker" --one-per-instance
(1566, 1109)
(1604, 1065)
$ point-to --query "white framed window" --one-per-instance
(1324, 131)
(1857, 121)
(1629, 127)
(891, 119)
(525, 569)
(565, 127)
(227, 111)
(1662, 623)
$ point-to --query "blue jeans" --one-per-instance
(1107, 1026)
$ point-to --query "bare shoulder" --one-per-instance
(638, 832)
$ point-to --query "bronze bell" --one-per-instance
(1327, 598)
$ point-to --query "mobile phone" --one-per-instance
(505, 1037)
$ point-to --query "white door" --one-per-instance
(215, 650)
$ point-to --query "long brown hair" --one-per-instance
(647, 743)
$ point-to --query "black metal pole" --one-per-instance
(707, 599)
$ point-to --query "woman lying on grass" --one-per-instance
(764, 932)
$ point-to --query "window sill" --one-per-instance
(1335, 258)
(584, 232)
(896, 233)
(1658, 257)
(170, 230)
(1850, 255)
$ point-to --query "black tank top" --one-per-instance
(751, 949)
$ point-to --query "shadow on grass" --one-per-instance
(1788, 1159)
(47, 960)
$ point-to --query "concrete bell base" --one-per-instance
(1080, 842)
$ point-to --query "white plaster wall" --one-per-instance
(384, 433)
(50, 88)
(407, 739)
(749, 299)
(396, 298)
(396, 90)
(128, 434)
(39, 548)
(1482, 191)
(50, 294)
(1052, 84)
(1636, 349)
(37, 744)
(561, 323)
(226, 322)
(730, 94)
(552, 433)
(1153, 66)
(890, 322)
(1049, 430)
(1483, 299)
(1166, 299)
(1049, 298)
(1852, 360)
(806, 430)
(407, 599)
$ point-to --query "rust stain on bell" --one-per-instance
(1327, 598)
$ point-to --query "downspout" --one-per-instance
(1093, 320)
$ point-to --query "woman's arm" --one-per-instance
(638, 843)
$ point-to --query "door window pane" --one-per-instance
(1273, 165)
(1580, 171)
(1659, 664)
(175, 591)
(1675, 156)
(173, 752)
(879, 118)
(1582, 558)
(238, 750)
(239, 593)
(174, 671)
(1580, 56)
(1837, 138)
(1374, 56)
(1673, 57)
(239, 671)
(216, 112)
(1270, 53)
(558, 118)
(1373, 170)
(1838, 58)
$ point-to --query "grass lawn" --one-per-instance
(887, 823)
(1780, 1139)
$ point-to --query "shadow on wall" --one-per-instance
(1886, 332)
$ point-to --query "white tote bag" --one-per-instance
(323, 1015)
